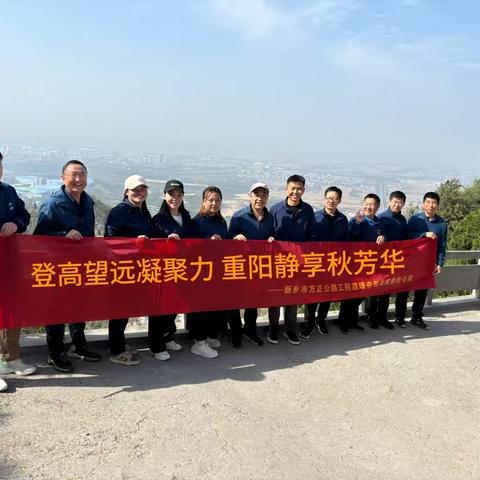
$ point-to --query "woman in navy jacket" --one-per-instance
(130, 218)
(208, 223)
(173, 221)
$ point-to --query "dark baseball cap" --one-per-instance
(173, 185)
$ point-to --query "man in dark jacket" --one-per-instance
(253, 222)
(293, 221)
(68, 213)
(427, 224)
(330, 226)
(395, 225)
(14, 218)
(365, 226)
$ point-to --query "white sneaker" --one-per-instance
(161, 355)
(17, 367)
(3, 385)
(214, 342)
(173, 346)
(203, 349)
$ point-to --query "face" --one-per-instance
(212, 203)
(396, 204)
(1, 169)
(430, 207)
(370, 207)
(137, 195)
(331, 201)
(259, 198)
(174, 198)
(295, 191)
(75, 178)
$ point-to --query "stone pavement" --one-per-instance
(401, 404)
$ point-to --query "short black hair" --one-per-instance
(296, 178)
(398, 194)
(432, 195)
(374, 196)
(74, 162)
(1, 156)
(333, 189)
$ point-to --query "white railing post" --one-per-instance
(476, 291)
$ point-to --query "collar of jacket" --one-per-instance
(434, 219)
(250, 212)
(289, 207)
(327, 215)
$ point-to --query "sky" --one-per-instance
(308, 80)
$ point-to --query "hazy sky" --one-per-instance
(309, 79)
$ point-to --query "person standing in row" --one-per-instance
(253, 222)
(14, 218)
(395, 225)
(130, 218)
(173, 221)
(69, 213)
(330, 225)
(204, 326)
(293, 221)
(364, 227)
(428, 224)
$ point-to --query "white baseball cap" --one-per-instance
(134, 181)
(259, 185)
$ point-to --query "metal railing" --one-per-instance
(459, 277)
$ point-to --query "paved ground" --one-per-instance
(381, 405)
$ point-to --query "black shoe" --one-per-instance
(322, 327)
(272, 336)
(373, 324)
(386, 324)
(306, 331)
(236, 340)
(253, 337)
(60, 363)
(292, 338)
(400, 322)
(419, 323)
(81, 353)
(357, 327)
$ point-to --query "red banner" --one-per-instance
(48, 280)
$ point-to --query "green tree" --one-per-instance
(466, 235)
(472, 195)
(453, 202)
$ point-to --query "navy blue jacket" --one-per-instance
(330, 228)
(395, 225)
(127, 220)
(244, 222)
(290, 226)
(12, 208)
(167, 225)
(60, 213)
(419, 224)
(366, 231)
(204, 226)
